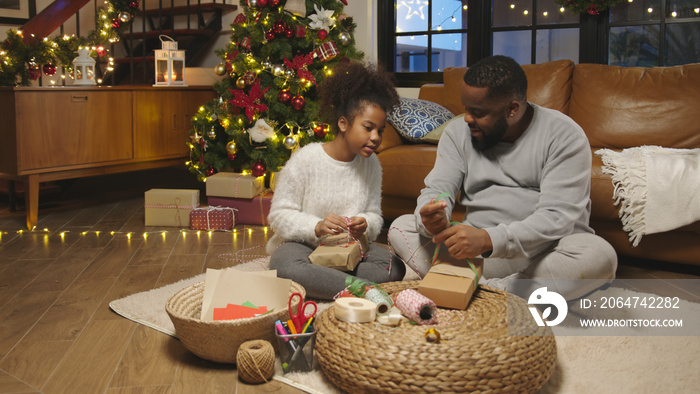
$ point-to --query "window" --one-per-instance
(420, 38)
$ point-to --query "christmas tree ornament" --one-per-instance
(289, 33)
(320, 129)
(266, 64)
(322, 34)
(263, 3)
(116, 23)
(275, 3)
(231, 157)
(49, 69)
(100, 50)
(296, 7)
(345, 38)
(240, 83)
(279, 27)
(240, 19)
(249, 78)
(233, 75)
(261, 131)
(213, 117)
(298, 102)
(220, 69)
(269, 35)
(211, 133)
(253, 3)
(277, 70)
(327, 51)
(210, 171)
(258, 168)
(289, 73)
(134, 4)
(124, 17)
(194, 138)
(290, 142)
(33, 70)
(322, 19)
(300, 30)
(245, 43)
(231, 148)
(284, 96)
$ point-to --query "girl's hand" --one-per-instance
(332, 224)
(358, 225)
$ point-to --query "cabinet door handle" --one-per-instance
(174, 121)
(79, 99)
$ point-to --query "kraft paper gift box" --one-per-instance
(234, 185)
(340, 252)
(212, 218)
(451, 284)
(170, 207)
(248, 211)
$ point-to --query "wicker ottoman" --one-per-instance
(475, 353)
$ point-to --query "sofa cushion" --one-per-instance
(548, 85)
(415, 118)
(434, 136)
(624, 107)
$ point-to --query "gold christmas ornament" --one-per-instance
(290, 142)
(124, 17)
(220, 69)
(231, 148)
(211, 133)
(277, 70)
(240, 83)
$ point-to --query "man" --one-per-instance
(523, 172)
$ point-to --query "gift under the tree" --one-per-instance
(452, 284)
(341, 252)
(231, 184)
(170, 207)
(212, 218)
(248, 211)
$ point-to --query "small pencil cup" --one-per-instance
(297, 351)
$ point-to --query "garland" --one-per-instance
(592, 7)
(20, 61)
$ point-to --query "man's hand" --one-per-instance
(434, 217)
(358, 225)
(332, 224)
(463, 242)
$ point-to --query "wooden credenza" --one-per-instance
(54, 133)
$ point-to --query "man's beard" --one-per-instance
(492, 137)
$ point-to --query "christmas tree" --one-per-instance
(279, 52)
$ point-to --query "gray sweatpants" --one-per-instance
(291, 260)
(576, 256)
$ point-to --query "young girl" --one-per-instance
(329, 188)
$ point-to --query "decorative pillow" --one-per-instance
(434, 136)
(414, 118)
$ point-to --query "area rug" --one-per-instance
(602, 364)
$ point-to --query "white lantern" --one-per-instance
(170, 64)
(84, 68)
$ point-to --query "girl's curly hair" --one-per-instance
(352, 86)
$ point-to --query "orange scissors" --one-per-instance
(301, 315)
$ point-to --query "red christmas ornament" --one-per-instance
(288, 33)
(210, 171)
(34, 72)
(49, 69)
(320, 130)
(116, 23)
(231, 157)
(134, 4)
(258, 168)
(279, 27)
(284, 96)
(322, 34)
(275, 3)
(269, 35)
(240, 19)
(101, 51)
(263, 3)
(298, 102)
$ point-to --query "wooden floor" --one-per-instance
(57, 333)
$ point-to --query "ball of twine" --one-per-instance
(256, 361)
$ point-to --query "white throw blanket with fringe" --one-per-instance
(658, 189)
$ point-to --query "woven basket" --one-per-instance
(219, 340)
(475, 353)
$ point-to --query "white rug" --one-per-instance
(601, 364)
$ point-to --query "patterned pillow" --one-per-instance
(415, 118)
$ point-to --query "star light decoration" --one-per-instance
(323, 19)
(415, 7)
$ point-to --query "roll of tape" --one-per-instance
(355, 310)
(393, 318)
(383, 302)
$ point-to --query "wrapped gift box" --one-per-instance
(231, 184)
(451, 284)
(248, 211)
(340, 252)
(212, 218)
(170, 207)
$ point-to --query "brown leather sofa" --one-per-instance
(618, 108)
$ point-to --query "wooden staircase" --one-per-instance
(192, 26)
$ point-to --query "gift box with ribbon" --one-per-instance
(170, 207)
(248, 211)
(451, 283)
(230, 184)
(212, 218)
(341, 252)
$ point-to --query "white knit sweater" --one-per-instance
(312, 185)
